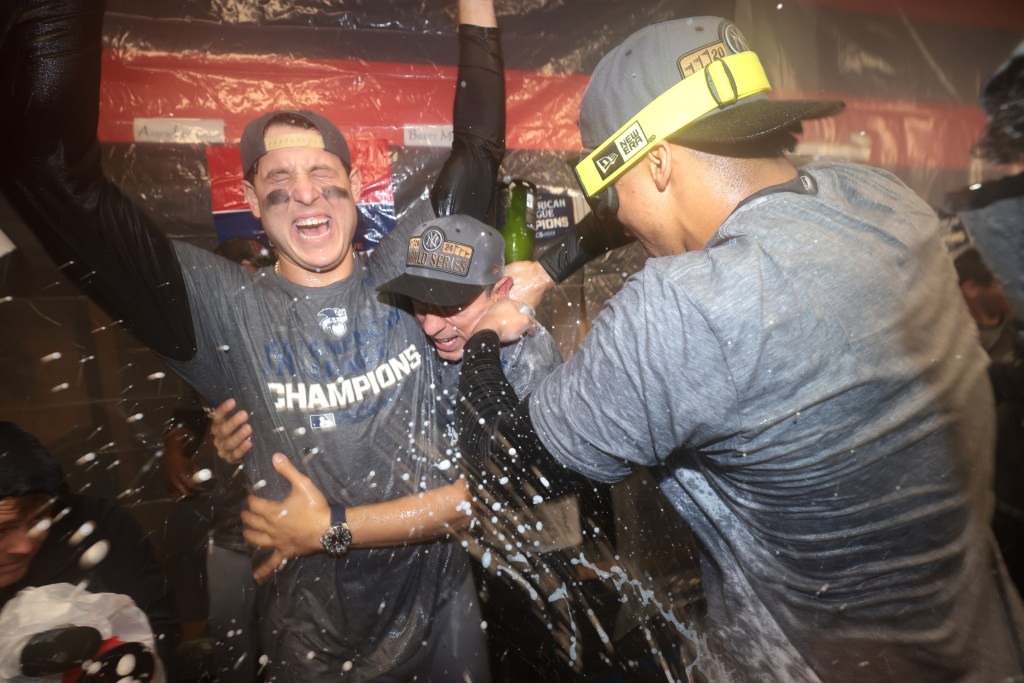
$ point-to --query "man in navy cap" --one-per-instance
(795, 364)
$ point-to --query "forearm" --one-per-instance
(421, 517)
(50, 76)
(415, 518)
(496, 434)
(466, 183)
(294, 527)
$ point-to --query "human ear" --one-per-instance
(659, 164)
(503, 287)
(250, 197)
(355, 179)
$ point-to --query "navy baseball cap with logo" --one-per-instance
(688, 81)
(322, 135)
(450, 260)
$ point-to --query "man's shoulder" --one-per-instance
(859, 183)
(198, 264)
(838, 167)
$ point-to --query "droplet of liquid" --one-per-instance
(81, 534)
(126, 665)
(96, 553)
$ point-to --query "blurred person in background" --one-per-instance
(49, 536)
(993, 211)
(1002, 336)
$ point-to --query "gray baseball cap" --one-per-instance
(655, 58)
(449, 261)
(254, 141)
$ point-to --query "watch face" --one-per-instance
(336, 540)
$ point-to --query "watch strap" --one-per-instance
(337, 514)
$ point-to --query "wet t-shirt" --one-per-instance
(344, 391)
(810, 393)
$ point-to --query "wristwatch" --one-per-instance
(337, 539)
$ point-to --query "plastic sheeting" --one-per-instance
(181, 79)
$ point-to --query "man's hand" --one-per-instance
(530, 282)
(292, 527)
(179, 469)
(509, 319)
(231, 433)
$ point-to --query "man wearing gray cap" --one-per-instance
(331, 372)
(792, 362)
(454, 269)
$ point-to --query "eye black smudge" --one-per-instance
(335, 192)
(277, 197)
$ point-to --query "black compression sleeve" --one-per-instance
(49, 87)
(495, 430)
(587, 240)
(466, 184)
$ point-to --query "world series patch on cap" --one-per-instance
(691, 80)
(449, 261)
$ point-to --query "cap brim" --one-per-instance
(755, 118)
(431, 291)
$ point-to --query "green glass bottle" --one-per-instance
(518, 219)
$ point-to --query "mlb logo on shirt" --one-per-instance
(325, 421)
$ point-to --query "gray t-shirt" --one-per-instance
(335, 378)
(815, 404)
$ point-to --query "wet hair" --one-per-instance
(1003, 139)
(285, 118)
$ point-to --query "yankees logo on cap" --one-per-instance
(449, 261)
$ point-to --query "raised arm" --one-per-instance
(466, 183)
(49, 80)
